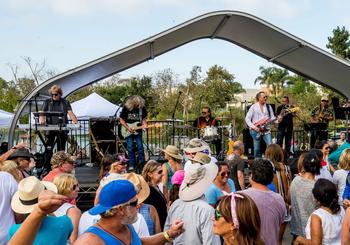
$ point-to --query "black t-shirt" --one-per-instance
(157, 199)
(236, 164)
(134, 115)
(287, 121)
(61, 105)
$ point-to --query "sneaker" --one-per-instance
(131, 169)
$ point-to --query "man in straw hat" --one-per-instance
(118, 210)
(192, 207)
(25, 200)
(196, 145)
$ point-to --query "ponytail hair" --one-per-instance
(325, 192)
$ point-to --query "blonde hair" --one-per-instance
(344, 160)
(150, 167)
(65, 183)
(10, 167)
(56, 88)
(134, 101)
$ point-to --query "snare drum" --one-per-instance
(210, 133)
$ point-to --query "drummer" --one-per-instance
(206, 120)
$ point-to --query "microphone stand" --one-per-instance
(173, 119)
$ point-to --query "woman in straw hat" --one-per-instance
(172, 154)
(237, 220)
(67, 185)
(53, 230)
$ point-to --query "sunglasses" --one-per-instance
(217, 214)
(204, 112)
(75, 186)
(223, 174)
(265, 97)
(326, 148)
(54, 94)
(324, 100)
(160, 171)
(133, 204)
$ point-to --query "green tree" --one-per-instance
(219, 87)
(339, 43)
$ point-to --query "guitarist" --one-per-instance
(134, 111)
(285, 124)
(259, 115)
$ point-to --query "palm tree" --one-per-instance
(266, 77)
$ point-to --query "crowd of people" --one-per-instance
(190, 199)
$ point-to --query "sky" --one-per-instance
(69, 33)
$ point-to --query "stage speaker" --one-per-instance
(102, 138)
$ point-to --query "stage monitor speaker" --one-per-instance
(102, 138)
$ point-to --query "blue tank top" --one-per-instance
(111, 240)
(170, 175)
(146, 213)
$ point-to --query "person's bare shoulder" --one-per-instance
(89, 239)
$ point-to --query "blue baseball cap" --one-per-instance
(114, 193)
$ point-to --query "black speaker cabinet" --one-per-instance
(102, 138)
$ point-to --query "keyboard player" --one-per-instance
(59, 108)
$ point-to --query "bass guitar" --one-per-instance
(135, 127)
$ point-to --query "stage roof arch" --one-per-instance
(242, 29)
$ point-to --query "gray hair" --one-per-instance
(134, 101)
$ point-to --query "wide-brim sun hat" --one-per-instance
(26, 197)
(197, 180)
(173, 151)
(195, 145)
(142, 188)
(20, 152)
(113, 194)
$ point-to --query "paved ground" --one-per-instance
(287, 239)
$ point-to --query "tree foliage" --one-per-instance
(339, 43)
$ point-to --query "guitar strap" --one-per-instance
(140, 115)
(268, 110)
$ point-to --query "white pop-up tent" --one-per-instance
(5, 119)
(94, 105)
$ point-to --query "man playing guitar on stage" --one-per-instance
(207, 120)
(285, 124)
(259, 116)
(134, 111)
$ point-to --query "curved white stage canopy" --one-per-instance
(242, 29)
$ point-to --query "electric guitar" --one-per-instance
(136, 126)
(287, 111)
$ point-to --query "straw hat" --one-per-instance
(142, 188)
(201, 158)
(173, 151)
(26, 197)
(197, 180)
(195, 145)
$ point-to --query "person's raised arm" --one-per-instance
(4, 156)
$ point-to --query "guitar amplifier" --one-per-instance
(102, 137)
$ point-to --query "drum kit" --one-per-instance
(209, 134)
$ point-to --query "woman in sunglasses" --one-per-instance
(221, 183)
(152, 173)
(67, 185)
(115, 164)
(237, 220)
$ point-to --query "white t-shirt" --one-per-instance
(331, 226)
(8, 187)
(63, 210)
(339, 178)
(88, 220)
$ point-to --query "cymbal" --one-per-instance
(175, 120)
(185, 127)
